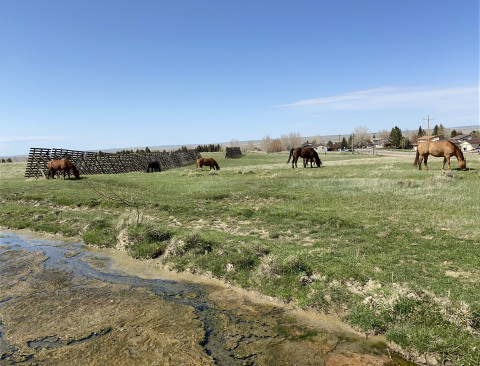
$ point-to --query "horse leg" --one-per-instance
(444, 161)
(425, 161)
(447, 158)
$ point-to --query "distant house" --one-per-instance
(471, 144)
(428, 138)
(378, 142)
(460, 138)
(431, 138)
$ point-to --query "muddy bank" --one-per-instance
(62, 305)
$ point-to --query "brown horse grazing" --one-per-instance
(207, 162)
(307, 153)
(439, 149)
(64, 165)
(153, 166)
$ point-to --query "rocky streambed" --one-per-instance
(61, 304)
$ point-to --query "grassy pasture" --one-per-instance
(391, 249)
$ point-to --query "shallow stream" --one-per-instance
(61, 303)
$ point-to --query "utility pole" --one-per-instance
(428, 119)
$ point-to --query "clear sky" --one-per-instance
(100, 74)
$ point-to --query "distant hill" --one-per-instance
(325, 139)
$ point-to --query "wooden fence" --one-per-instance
(105, 163)
(233, 152)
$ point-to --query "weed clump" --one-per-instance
(148, 242)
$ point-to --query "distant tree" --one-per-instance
(414, 138)
(404, 142)
(9, 160)
(395, 137)
(292, 140)
(329, 143)
(453, 133)
(343, 144)
(362, 137)
(316, 140)
(250, 146)
(265, 143)
(435, 130)
(234, 143)
(350, 141)
(147, 150)
(275, 146)
(421, 131)
(3, 160)
(441, 130)
(383, 135)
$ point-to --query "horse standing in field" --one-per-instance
(439, 149)
(63, 165)
(207, 162)
(153, 166)
(308, 154)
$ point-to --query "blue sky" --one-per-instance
(100, 74)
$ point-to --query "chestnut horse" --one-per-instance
(207, 162)
(64, 165)
(307, 154)
(439, 149)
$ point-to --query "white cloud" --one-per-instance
(396, 97)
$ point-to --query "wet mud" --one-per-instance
(63, 305)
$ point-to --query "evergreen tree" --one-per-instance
(453, 133)
(435, 130)
(395, 137)
(441, 130)
(147, 150)
(343, 144)
(421, 131)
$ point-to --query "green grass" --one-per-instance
(390, 249)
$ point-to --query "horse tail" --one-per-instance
(76, 173)
(216, 164)
(291, 154)
(417, 156)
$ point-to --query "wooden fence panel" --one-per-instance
(89, 163)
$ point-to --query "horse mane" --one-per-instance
(458, 152)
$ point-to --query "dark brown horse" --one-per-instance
(308, 154)
(444, 149)
(207, 162)
(153, 166)
(63, 165)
